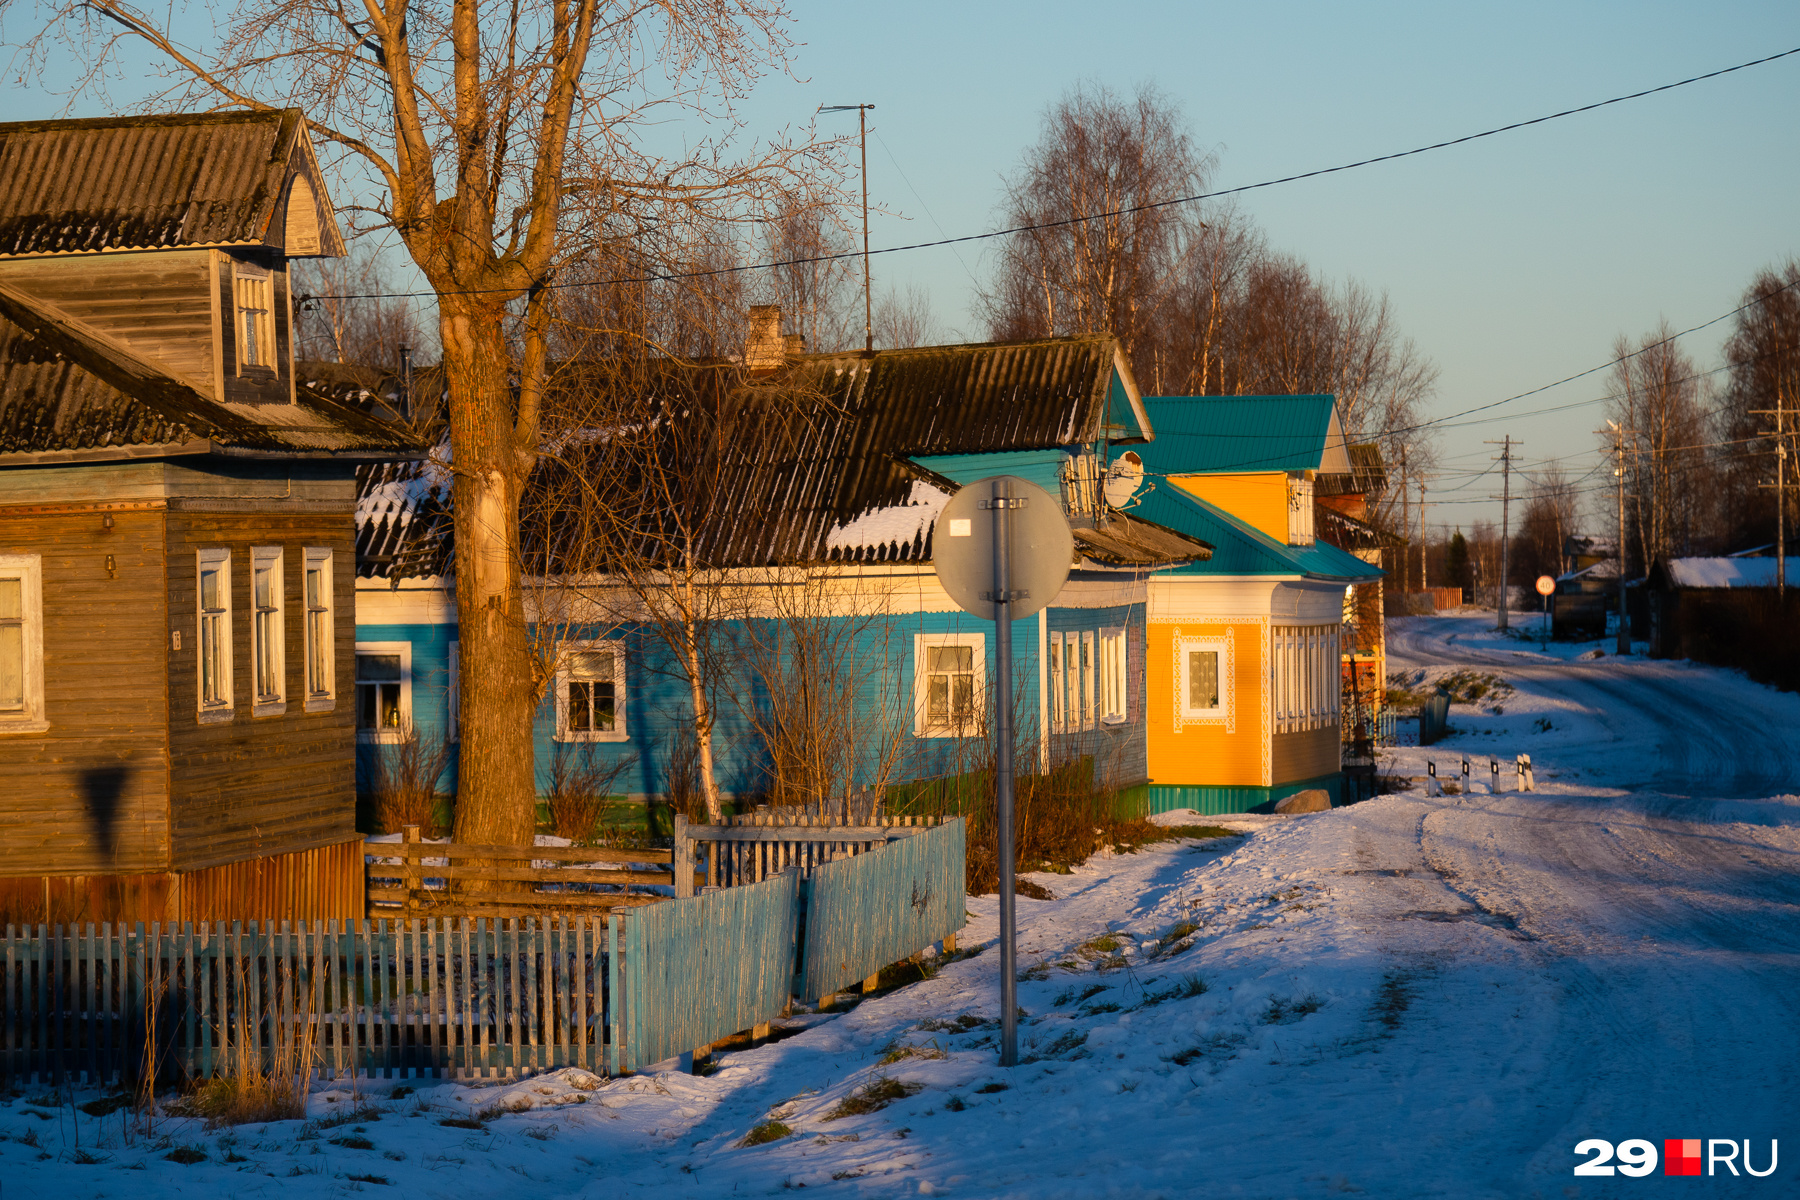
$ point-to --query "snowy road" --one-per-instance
(1411, 997)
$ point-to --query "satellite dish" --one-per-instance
(1123, 478)
(1041, 547)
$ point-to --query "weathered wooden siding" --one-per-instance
(322, 884)
(158, 303)
(255, 385)
(258, 786)
(89, 794)
(1307, 754)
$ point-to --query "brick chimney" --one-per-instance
(765, 349)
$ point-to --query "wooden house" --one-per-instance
(1246, 647)
(835, 479)
(176, 529)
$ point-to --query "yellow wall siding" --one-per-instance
(1208, 754)
(1259, 499)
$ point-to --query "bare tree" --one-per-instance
(816, 292)
(1101, 249)
(1551, 514)
(1763, 355)
(903, 319)
(347, 313)
(487, 131)
(1658, 398)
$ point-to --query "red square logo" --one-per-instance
(1681, 1156)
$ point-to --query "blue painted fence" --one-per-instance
(865, 912)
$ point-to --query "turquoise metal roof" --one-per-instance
(1196, 434)
(1242, 549)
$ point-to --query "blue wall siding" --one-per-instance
(658, 708)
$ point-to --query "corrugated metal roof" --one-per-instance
(65, 388)
(152, 182)
(1241, 549)
(1197, 434)
(806, 465)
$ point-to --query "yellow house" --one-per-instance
(1243, 650)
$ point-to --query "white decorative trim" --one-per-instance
(925, 641)
(389, 737)
(28, 569)
(272, 704)
(620, 731)
(1226, 713)
(224, 710)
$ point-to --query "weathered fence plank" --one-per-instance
(865, 912)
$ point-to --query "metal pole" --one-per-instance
(1623, 645)
(1003, 773)
(862, 114)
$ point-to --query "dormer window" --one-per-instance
(253, 290)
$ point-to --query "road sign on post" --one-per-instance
(1002, 549)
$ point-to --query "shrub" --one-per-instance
(581, 784)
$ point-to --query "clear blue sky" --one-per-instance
(1511, 262)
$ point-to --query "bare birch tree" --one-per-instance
(1763, 355)
(485, 130)
(1657, 397)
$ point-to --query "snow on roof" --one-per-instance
(1722, 572)
(1605, 569)
(900, 524)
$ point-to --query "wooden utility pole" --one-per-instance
(1421, 533)
(1505, 460)
(1405, 520)
(862, 130)
(1779, 412)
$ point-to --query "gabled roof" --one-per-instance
(68, 393)
(157, 182)
(1732, 572)
(810, 465)
(1242, 549)
(1226, 434)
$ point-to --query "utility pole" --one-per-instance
(1623, 645)
(862, 129)
(1505, 460)
(1421, 533)
(1779, 412)
(1405, 520)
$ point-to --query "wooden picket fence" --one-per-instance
(468, 998)
(751, 847)
(417, 878)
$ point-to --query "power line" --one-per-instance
(1117, 212)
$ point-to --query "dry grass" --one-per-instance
(872, 1097)
(253, 1088)
(581, 784)
(404, 777)
(765, 1132)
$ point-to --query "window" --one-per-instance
(949, 678)
(213, 614)
(383, 691)
(1058, 706)
(1203, 679)
(1088, 680)
(268, 633)
(21, 644)
(1300, 512)
(1113, 707)
(253, 290)
(590, 694)
(321, 632)
(1305, 683)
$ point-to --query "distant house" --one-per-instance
(1246, 647)
(1691, 602)
(838, 470)
(1583, 599)
(176, 535)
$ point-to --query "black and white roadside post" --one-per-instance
(1002, 549)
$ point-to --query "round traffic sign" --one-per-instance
(1041, 548)
(1545, 585)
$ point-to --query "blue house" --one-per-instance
(833, 660)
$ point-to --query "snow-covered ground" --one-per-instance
(1410, 997)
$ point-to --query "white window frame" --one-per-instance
(564, 677)
(321, 694)
(1054, 681)
(1305, 677)
(922, 644)
(268, 703)
(225, 708)
(29, 571)
(1115, 702)
(388, 736)
(1089, 661)
(1300, 511)
(1220, 646)
(257, 284)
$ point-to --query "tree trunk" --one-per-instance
(496, 800)
(703, 725)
